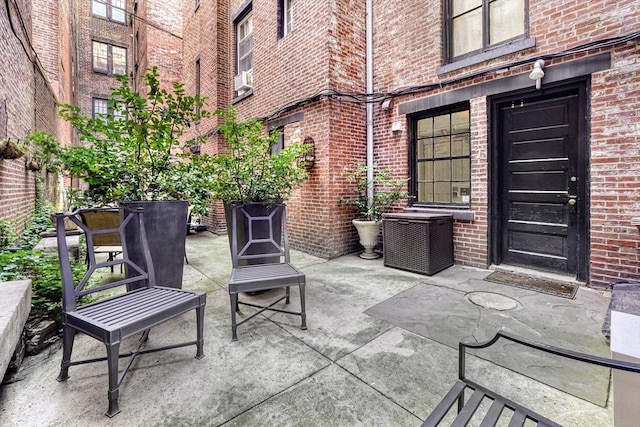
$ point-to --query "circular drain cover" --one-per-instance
(493, 301)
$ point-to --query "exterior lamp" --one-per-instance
(309, 159)
(537, 74)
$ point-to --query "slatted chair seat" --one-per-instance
(133, 312)
(262, 262)
(502, 409)
(111, 319)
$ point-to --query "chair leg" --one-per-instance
(68, 336)
(110, 259)
(234, 308)
(200, 328)
(113, 351)
(287, 292)
(303, 311)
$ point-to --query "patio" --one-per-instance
(380, 349)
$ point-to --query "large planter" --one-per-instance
(259, 229)
(368, 232)
(165, 224)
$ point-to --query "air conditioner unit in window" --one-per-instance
(244, 81)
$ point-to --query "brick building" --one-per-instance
(544, 178)
(31, 82)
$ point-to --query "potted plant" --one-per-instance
(386, 191)
(11, 148)
(249, 172)
(135, 156)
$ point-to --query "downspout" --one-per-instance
(369, 89)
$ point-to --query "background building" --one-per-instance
(542, 177)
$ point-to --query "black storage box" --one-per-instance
(422, 243)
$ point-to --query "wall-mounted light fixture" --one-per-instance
(309, 159)
(537, 74)
(386, 104)
(396, 127)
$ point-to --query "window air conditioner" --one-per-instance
(244, 81)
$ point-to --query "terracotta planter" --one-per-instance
(368, 232)
(10, 149)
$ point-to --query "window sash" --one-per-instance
(244, 35)
(442, 158)
(477, 25)
(109, 59)
(114, 10)
(288, 17)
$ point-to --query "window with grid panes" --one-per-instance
(441, 172)
(109, 59)
(244, 32)
(477, 25)
(114, 10)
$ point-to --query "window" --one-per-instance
(279, 145)
(101, 106)
(109, 59)
(285, 18)
(441, 146)
(114, 10)
(477, 25)
(244, 47)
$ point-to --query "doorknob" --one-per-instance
(571, 202)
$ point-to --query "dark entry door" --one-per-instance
(539, 200)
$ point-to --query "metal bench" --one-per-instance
(501, 408)
(113, 317)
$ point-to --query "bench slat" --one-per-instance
(445, 404)
(468, 409)
(493, 413)
(518, 419)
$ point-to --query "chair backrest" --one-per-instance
(259, 234)
(135, 273)
(100, 219)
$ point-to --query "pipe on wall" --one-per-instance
(369, 89)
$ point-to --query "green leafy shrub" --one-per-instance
(44, 272)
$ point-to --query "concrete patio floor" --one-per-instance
(380, 350)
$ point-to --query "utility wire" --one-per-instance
(364, 98)
(30, 54)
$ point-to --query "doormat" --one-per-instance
(547, 286)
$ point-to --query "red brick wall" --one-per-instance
(615, 170)
(408, 52)
(27, 103)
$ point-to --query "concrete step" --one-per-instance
(15, 305)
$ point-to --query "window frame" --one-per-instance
(413, 158)
(486, 47)
(285, 18)
(109, 70)
(237, 26)
(109, 107)
(108, 5)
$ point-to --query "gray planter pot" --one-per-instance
(165, 225)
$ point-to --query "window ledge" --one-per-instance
(241, 97)
(458, 214)
(488, 55)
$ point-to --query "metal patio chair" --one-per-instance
(113, 318)
(503, 409)
(263, 262)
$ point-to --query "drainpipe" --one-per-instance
(369, 88)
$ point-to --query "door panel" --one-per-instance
(538, 204)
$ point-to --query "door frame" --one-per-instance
(550, 91)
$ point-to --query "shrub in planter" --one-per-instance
(387, 190)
